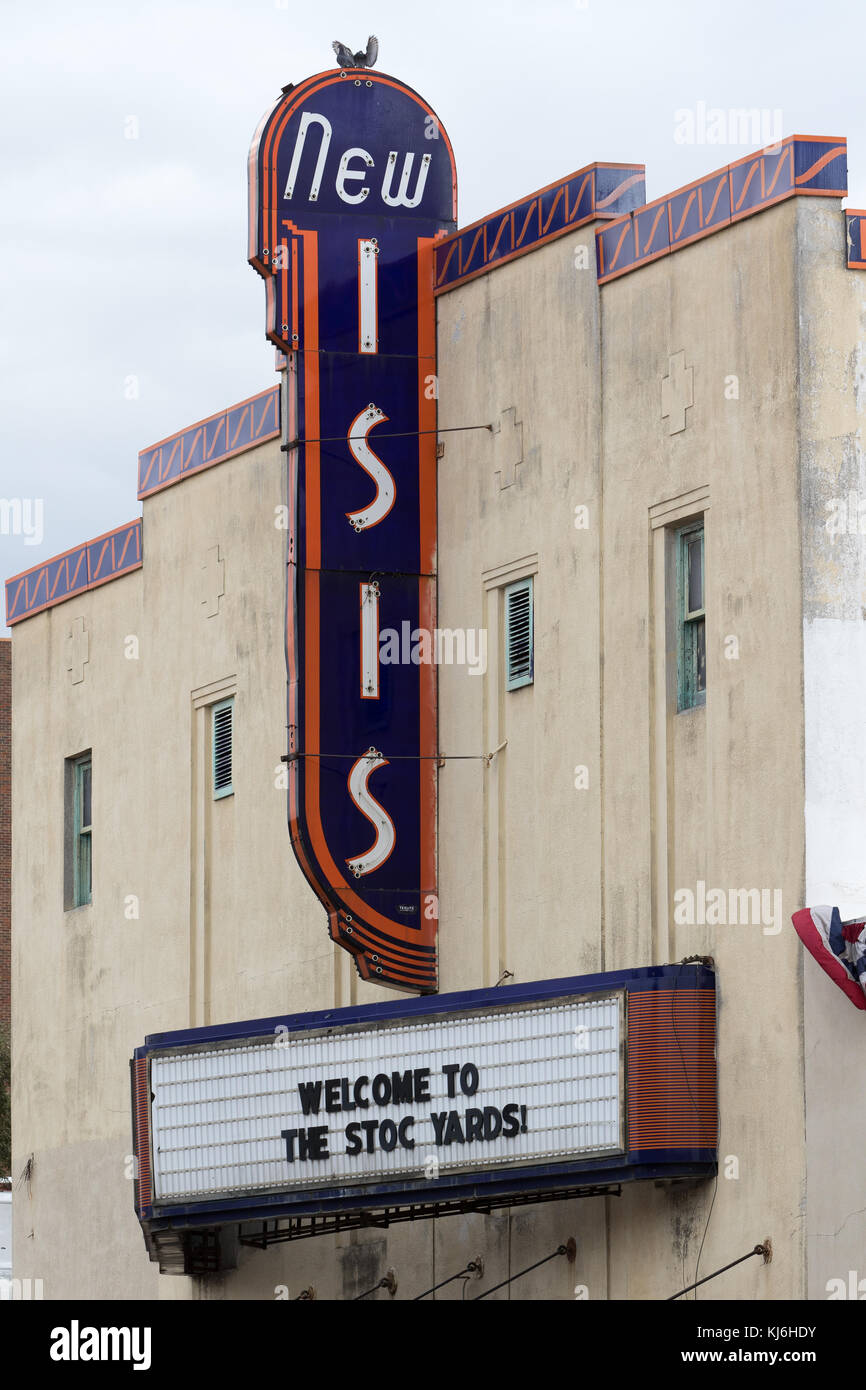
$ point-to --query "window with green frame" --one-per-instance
(691, 618)
(222, 740)
(82, 830)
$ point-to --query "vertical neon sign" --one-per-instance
(352, 181)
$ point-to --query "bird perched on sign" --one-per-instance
(363, 59)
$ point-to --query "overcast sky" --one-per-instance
(126, 257)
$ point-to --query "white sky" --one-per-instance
(125, 257)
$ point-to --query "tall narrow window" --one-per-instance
(222, 732)
(691, 618)
(519, 655)
(82, 830)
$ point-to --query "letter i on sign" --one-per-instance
(369, 641)
(368, 292)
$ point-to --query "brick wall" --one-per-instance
(5, 831)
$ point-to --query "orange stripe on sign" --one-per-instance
(167, 470)
(686, 209)
(615, 256)
(240, 426)
(427, 471)
(406, 956)
(191, 449)
(478, 236)
(789, 155)
(74, 577)
(149, 468)
(266, 409)
(526, 221)
(718, 193)
(42, 574)
(98, 565)
(619, 190)
(120, 559)
(648, 243)
(552, 211)
(745, 188)
(820, 163)
(671, 1070)
(142, 1132)
(444, 270)
(503, 224)
(570, 216)
(217, 432)
(60, 569)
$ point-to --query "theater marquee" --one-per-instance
(488, 1097)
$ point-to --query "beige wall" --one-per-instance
(227, 928)
(90, 984)
(537, 878)
(713, 794)
(832, 326)
(519, 848)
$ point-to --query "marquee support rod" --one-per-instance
(473, 1267)
(401, 757)
(763, 1250)
(569, 1249)
(382, 434)
(389, 1282)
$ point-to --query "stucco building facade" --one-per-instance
(712, 392)
(5, 834)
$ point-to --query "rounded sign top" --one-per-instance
(345, 142)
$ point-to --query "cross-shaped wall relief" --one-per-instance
(212, 582)
(678, 392)
(507, 447)
(77, 651)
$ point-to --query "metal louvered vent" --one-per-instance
(518, 635)
(223, 718)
